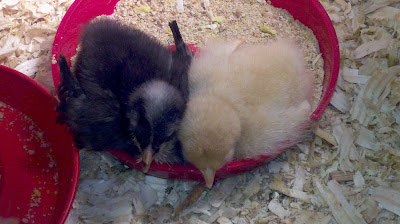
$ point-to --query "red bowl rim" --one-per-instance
(189, 172)
(75, 177)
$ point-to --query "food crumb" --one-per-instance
(35, 198)
(36, 192)
(55, 177)
(267, 29)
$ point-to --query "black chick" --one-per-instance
(94, 120)
(146, 82)
(178, 77)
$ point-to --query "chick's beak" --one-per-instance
(147, 157)
(208, 175)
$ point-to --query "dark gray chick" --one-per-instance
(166, 148)
(95, 121)
(148, 82)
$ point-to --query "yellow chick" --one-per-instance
(245, 100)
(209, 135)
(277, 92)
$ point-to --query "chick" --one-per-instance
(276, 108)
(244, 101)
(169, 151)
(141, 76)
(155, 111)
(209, 132)
(95, 121)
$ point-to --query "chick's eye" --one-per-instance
(156, 148)
(170, 137)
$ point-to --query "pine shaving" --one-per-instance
(389, 198)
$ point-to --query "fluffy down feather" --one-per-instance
(95, 121)
(266, 87)
(142, 84)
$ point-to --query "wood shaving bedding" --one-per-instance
(369, 189)
(252, 21)
(27, 30)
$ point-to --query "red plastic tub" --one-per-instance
(39, 167)
(309, 12)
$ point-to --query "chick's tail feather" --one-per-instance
(69, 85)
(68, 88)
(181, 47)
(181, 62)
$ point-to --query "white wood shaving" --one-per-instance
(199, 207)
(341, 101)
(223, 220)
(29, 67)
(253, 187)
(307, 217)
(358, 179)
(276, 208)
(179, 5)
(371, 47)
(9, 3)
(371, 98)
(367, 139)
(351, 211)
(300, 179)
(352, 76)
(341, 215)
(10, 46)
(45, 8)
(325, 135)
(345, 139)
(221, 191)
(159, 185)
(276, 167)
(371, 6)
(389, 198)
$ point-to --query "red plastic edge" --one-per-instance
(67, 29)
(75, 177)
(310, 12)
